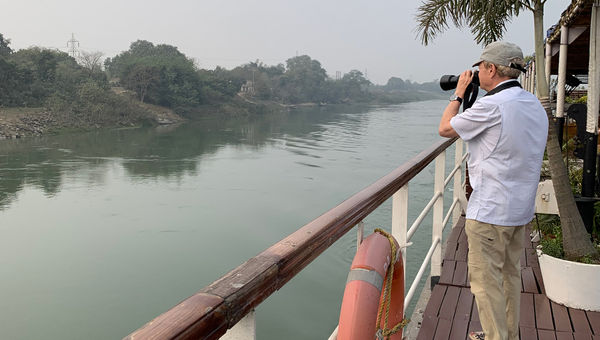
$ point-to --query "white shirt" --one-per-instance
(506, 137)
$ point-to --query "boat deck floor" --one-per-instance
(451, 312)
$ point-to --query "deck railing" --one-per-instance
(209, 313)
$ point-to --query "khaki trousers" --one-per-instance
(495, 275)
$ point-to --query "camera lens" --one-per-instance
(448, 82)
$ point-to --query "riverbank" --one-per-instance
(23, 122)
(20, 122)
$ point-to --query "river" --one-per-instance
(102, 231)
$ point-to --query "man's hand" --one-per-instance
(463, 82)
(445, 129)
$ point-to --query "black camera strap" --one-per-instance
(503, 87)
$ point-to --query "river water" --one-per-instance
(102, 231)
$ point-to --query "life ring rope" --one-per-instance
(384, 332)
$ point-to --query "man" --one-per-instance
(505, 132)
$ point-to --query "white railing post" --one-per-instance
(457, 188)
(438, 215)
(360, 231)
(400, 219)
(245, 329)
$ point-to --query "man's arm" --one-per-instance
(445, 129)
(451, 110)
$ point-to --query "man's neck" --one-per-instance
(500, 81)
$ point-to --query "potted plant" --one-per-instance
(570, 283)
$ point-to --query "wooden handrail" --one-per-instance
(211, 311)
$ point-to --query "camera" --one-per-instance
(449, 82)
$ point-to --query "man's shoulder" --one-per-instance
(511, 95)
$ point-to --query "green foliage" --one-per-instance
(580, 100)
(551, 238)
(157, 74)
(486, 19)
(162, 75)
(596, 225)
(4, 48)
(551, 235)
(30, 76)
(575, 177)
(94, 105)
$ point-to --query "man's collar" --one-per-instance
(505, 81)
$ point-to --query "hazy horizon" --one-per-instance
(377, 38)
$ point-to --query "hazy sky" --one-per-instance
(376, 36)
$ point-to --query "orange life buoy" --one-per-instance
(364, 291)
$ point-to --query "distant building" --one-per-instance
(248, 88)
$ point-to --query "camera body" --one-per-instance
(449, 82)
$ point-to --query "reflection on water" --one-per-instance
(102, 231)
(166, 151)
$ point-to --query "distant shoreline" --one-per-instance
(21, 122)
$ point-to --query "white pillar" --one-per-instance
(526, 83)
(530, 76)
(562, 72)
(548, 65)
(438, 212)
(593, 102)
(457, 189)
(532, 83)
(400, 219)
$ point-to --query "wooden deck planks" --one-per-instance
(562, 322)
(460, 274)
(532, 259)
(538, 279)
(452, 312)
(582, 336)
(543, 313)
(435, 301)
(594, 318)
(528, 279)
(459, 329)
(428, 327)
(544, 334)
(450, 250)
(448, 308)
(564, 336)
(579, 321)
(447, 272)
(527, 311)
(462, 251)
(528, 333)
(443, 329)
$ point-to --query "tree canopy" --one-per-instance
(161, 74)
(157, 74)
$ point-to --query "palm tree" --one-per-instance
(487, 20)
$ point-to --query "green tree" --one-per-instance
(303, 80)
(4, 48)
(141, 78)
(487, 20)
(159, 74)
(355, 85)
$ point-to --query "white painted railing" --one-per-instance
(229, 302)
(403, 235)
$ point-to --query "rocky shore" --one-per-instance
(28, 122)
(18, 123)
